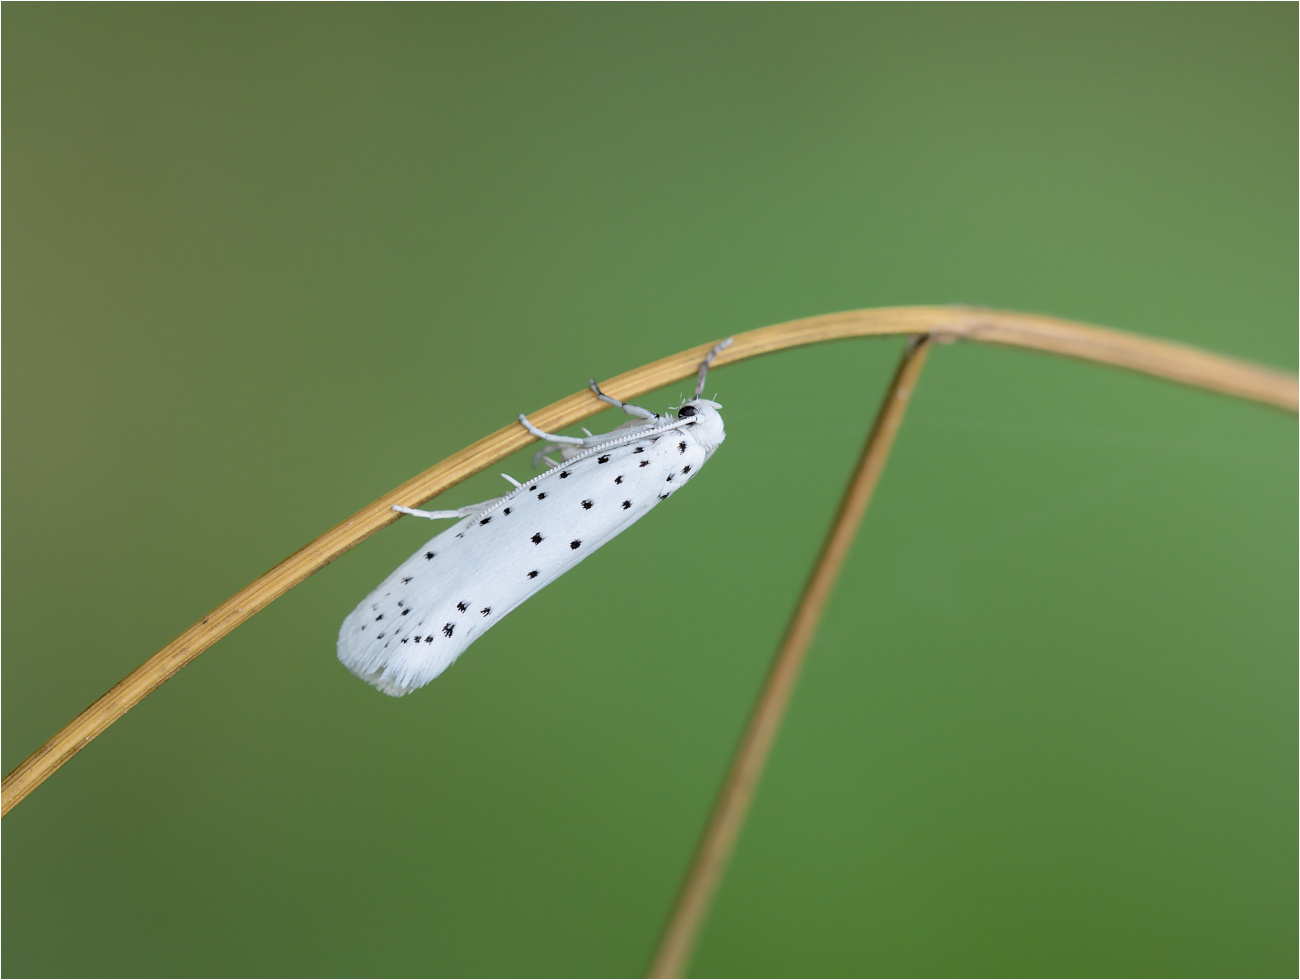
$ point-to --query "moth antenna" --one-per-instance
(510, 479)
(708, 359)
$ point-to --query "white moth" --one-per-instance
(501, 551)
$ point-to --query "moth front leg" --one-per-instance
(636, 411)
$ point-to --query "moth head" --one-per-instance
(705, 422)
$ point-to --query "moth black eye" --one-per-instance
(686, 411)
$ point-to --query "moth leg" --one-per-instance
(433, 515)
(708, 359)
(636, 411)
(438, 515)
(550, 436)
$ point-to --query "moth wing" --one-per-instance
(441, 599)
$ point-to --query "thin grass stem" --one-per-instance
(719, 838)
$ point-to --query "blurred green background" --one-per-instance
(264, 263)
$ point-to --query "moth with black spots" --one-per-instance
(500, 552)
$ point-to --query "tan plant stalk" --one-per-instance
(1163, 359)
(719, 838)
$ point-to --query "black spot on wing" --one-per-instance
(575, 544)
(686, 468)
(428, 555)
(541, 496)
(429, 638)
(532, 574)
(407, 580)
(639, 449)
(586, 505)
(537, 538)
(507, 510)
(681, 446)
(645, 462)
(618, 479)
(462, 606)
(486, 520)
(670, 477)
(406, 612)
(379, 617)
(603, 459)
(485, 610)
(627, 504)
(448, 629)
(564, 474)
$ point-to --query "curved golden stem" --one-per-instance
(1163, 359)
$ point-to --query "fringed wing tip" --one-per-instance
(395, 675)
